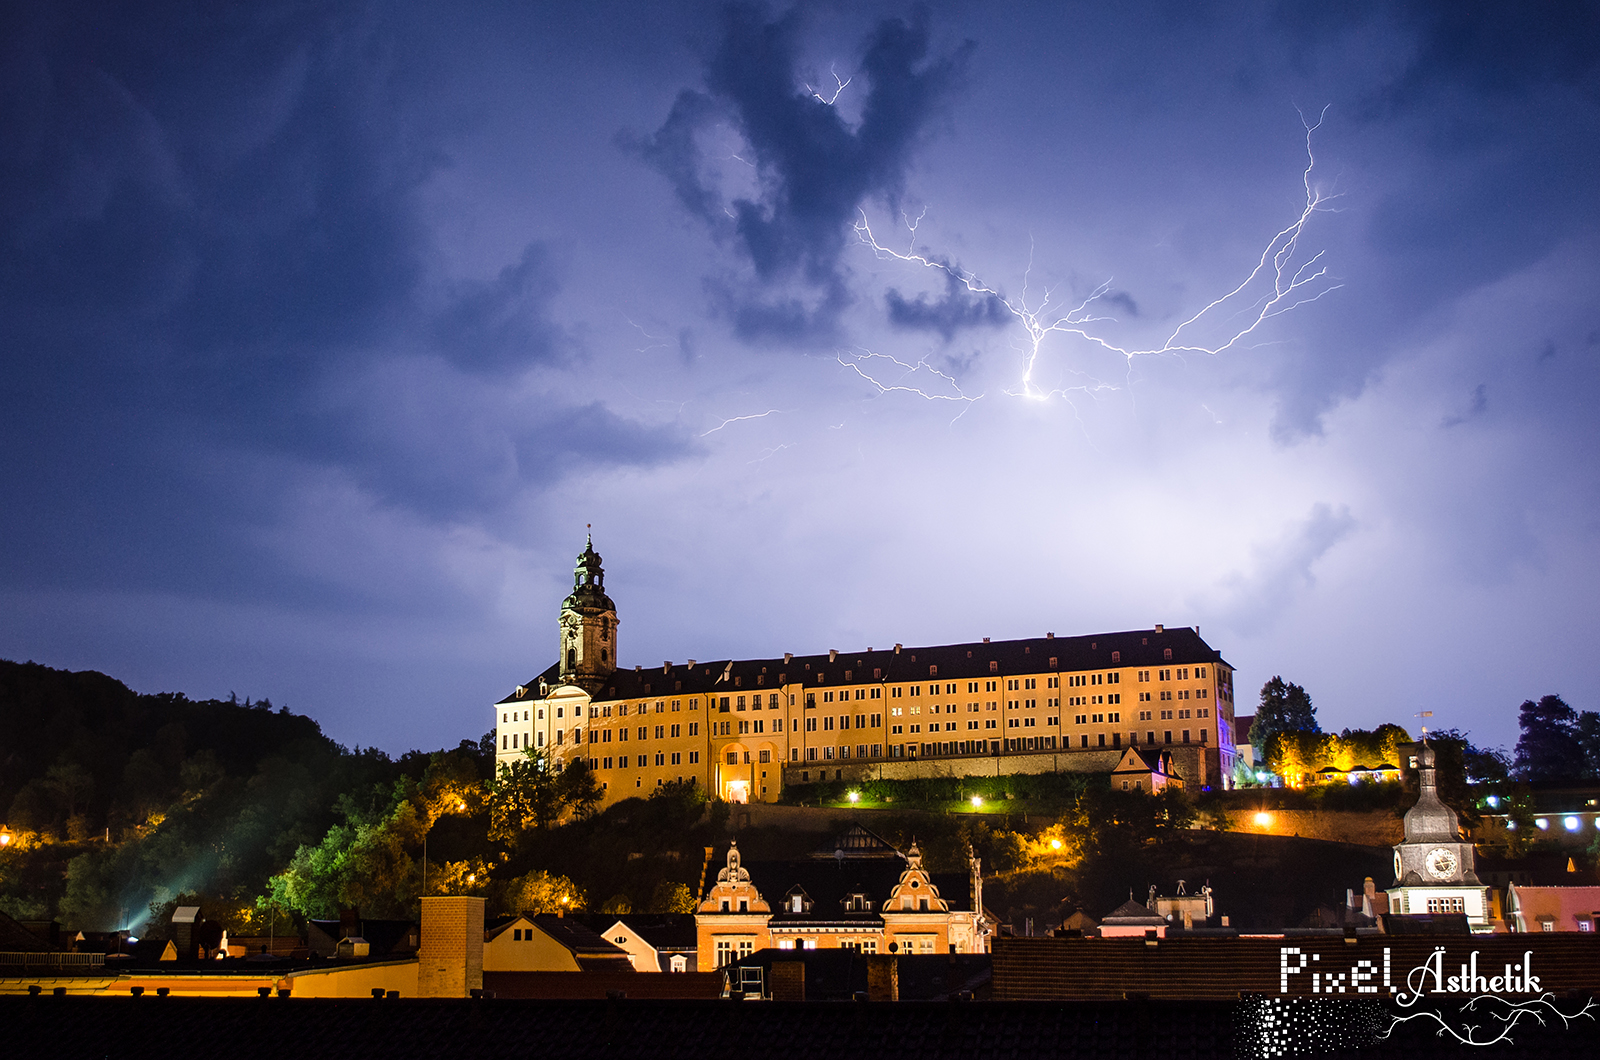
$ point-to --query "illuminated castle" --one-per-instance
(744, 728)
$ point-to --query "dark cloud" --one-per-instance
(502, 325)
(957, 310)
(815, 170)
(1479, 405)
(217, 284)
(1496, 47)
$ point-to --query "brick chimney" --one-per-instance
(450, 958)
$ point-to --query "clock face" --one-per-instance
(1441, 863)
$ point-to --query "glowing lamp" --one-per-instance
(1511, 826)
(1493, 800)
(1572, 824)
(854, 796)
(1055, 844)
(1543, 824)
(1263, 819)
(976, 802)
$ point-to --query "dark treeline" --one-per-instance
(117, 800)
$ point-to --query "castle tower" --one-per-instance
(588, 625)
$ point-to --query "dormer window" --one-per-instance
(797, 904)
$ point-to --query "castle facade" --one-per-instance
(746, 728)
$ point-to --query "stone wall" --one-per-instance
(1196, 765)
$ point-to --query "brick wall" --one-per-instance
(450, 959)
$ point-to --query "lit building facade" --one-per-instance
(865, 896)
(744, 728)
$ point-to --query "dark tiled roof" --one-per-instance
(664, 931)
(602, 984)
(838, 975)
(385, 937)
(582, 942)
(1139, 647)
(248, 1029)
(14, 938)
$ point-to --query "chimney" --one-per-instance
(450, 958)
(788, 981)
(897, 648)
(883, 977)
(1158, 627)
(691, 664)
(666, 666)
(788, 657)
(185, 921)
(349, 923)
(833, 654)
(1049, 636)
(986, 640)
(637, 668)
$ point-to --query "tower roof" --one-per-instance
(1430, 820)
(588, 582)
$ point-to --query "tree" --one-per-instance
(578, 788)
(670, 897)
(541, 892)
(1549, 748)
(1285, 707)
(1589, 738)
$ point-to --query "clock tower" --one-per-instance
(1433, 866)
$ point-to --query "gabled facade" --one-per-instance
(744, 728)
(1145, 770)
(664, 943)
(547, 943)
(872, 899)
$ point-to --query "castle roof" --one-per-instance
(1140, 647)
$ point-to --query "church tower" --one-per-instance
(588, 625)
(1433, 865)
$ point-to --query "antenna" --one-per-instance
(1424, 714)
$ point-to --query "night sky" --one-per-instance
(327, 328)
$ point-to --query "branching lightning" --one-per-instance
(860, 356)
(1294, 281)
(840, 86)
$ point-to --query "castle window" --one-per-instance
(933, 671)
(994, 667)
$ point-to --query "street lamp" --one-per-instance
(977, 801)
(5, 836)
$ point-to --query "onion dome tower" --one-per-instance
(588, 625)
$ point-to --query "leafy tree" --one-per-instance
(524, 794)
(1549, 747)
(541, 892)
(578, 787)
(1589, 739)
(1285, 707)
(670, 897)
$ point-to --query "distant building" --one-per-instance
(546, 943)
(865, 896)
(655, 942)
(743, 729)
(1546, 909)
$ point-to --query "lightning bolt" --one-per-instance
(829, 101)
(860, 355)
(1293, 281)
(740, 419)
